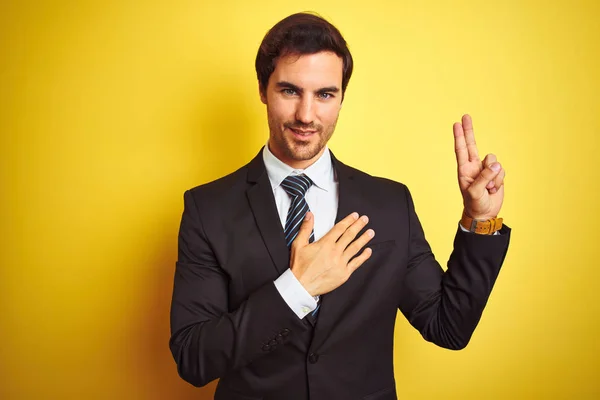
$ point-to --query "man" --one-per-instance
(291, 270)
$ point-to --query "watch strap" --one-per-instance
(481, 227)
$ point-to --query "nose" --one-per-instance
(305, 111)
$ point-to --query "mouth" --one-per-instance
(302, 135)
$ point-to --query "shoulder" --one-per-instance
(376, 185)
(220, 190)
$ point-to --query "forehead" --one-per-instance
(317, 70)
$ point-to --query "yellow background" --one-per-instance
(109, 110)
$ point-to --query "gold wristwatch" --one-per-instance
(481, 227)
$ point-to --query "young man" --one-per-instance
(291, 270)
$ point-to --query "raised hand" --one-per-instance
(481, 182)
(324, 265)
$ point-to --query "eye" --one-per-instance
(288, 91)
(325, 96)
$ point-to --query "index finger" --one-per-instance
(339, 228)
(460, 144)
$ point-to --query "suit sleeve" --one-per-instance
(446, 306)
(207, 338)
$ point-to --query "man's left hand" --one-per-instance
(481, 182)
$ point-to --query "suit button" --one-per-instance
(285, 332)
(313, 358)
(273, 342)
(266, 347)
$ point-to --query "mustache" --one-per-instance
(303, 127)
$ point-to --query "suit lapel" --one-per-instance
(335, 304)
(262, 203)
(348, 191)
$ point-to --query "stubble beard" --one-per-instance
(296, 150)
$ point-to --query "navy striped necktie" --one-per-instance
(296, 187)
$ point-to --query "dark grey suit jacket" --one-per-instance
(228, 320)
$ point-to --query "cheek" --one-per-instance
(281, 112)
(329, 114)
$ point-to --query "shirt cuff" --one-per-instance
(466, 230)
(294, 294)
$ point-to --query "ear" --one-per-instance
(262, 93)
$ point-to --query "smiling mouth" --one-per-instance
(302, 133)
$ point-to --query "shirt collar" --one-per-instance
(320, 172)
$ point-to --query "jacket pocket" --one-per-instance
(381, 245)
(383, 394)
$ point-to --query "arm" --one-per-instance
(208, 339)
(446, 306)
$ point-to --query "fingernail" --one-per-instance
(355, 215)
(495, 167)
(371, 232)
(308, 216)
(365, 218)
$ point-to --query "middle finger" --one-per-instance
(350, 233)
(358, 244)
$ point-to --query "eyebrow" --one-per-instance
(329, 89)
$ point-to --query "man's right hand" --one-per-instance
(325, 265)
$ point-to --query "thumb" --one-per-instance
(489, 173)
(305, 229)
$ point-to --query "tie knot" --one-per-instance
(296, 185)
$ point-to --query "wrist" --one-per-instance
(301, 279)
(478, 217)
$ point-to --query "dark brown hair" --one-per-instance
(301, 33)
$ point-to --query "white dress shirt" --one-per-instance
(322, 199)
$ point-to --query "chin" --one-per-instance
(303, 153)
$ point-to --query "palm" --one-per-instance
(482, 198)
